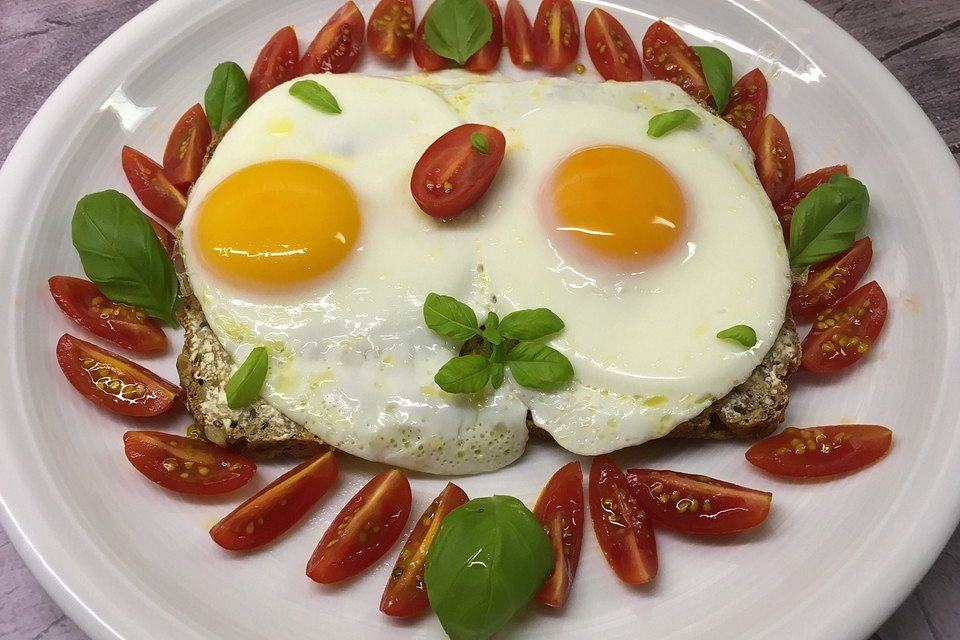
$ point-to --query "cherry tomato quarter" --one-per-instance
(556, 34)
(151, 186)
(423, 55)
(830, 281)
(669, 58)
(337, 45)
(276, 63)
(820, 452)
(844, 333)
(391, 29)
(611, 49)
(800, 190)
(774, 158)
(487, 57)
(519, 35)
(166, 238)
(186, 149)
(748, 102)
(560, 509)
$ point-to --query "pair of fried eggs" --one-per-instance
(302, 236)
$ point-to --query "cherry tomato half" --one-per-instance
(391, 29)
(669, 58)
(844, 333)
(186, 148)
(423, 55)
(556, 34)
(774, 163)
(364, 530)
(337, 45)
(623, 530)
(829, 282)
(113, 382)
(487, 57)
(276, 63)
(698, 504)
(560, 509)
(186, 465)
(611, 48)
(166, 238)
(800, 190)
(278, 506)
(82, 302)
(748, 102)
(405, 594)
(519, 35)
(452, 174)
(152, 187)
(821, 451)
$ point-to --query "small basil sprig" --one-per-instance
(121, 254)
(226, 98)
(663, 123)
(245, 384)
(457, 29)
(826, 222)
(718, 70)
(487, 561)
(740, 334)
(316, 95)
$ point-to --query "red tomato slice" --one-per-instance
(560, 509)
(611, 48)
(166, 238)
(186, 465)
(774, 163)
(337, 45)
(423, 55)
(186, 148)
(278, 506)
(391, 29)
(844, 333)
(276, 63)
(556, 34)
(489, 54)
(82, 302)
(113, 382)
(800, 189)
(364, 530)
(152, 187)
(622, 527)
(452, 175)
(821, 451)
(698, 504)
(519, 35)
(748, 102)
(405, 594)
(669, 58)
(829, 282)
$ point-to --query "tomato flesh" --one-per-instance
(151, 186)
(774, 158)
(81, 301)
(423, 55)
(111, 381)
(669, 58)
(821, 451)
(829, 282)
(166, 238)
(487, 57)
(698, 504)
(276, 63)
(556, 34)
(748, 102)
(391, 29)
(560, 509)
(337, 45)
(364, 530)
(405, 594)
(278, 506)
(800, 190)
(623, 530)
(611, 49)
(185, 465)
(186, 149)
(519, 35)
(842, 334)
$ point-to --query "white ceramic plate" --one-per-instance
(127, 560)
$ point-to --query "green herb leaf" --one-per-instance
(741, 334)
(496, 374)
(122, 255)
(244, 386)
(663, 123)
(464, 374)
(487, 561)
(530, 324)
(718, 70)
(491, 332)
(537, 366)
(827, 221)
(479, 142)
(449, 317)
(457, 29)
(226, 98)
(316, 95)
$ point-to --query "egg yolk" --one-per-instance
(277, 223)
(617, 203)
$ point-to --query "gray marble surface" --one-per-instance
(42, 40)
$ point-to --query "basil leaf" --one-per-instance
(537, 366)
(479, 142)
(741, 334)
(449, 317)
(464, 374)
(663, 123)
(487, 561)
(457, 29)
(718, 70)
(530, 324)
(244, 386)
(226, 98)
(316, 95)
(496, 374)
(827, 221)
(122, 255)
